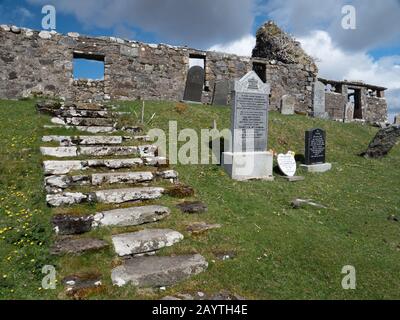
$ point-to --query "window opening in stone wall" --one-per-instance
(88, 66)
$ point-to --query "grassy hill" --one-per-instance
(280, 252)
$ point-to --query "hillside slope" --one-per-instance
(279, 252)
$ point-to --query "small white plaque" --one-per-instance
(287, 164)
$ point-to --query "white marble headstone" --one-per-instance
(287, 164)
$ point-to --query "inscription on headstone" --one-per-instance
(250, 114)
(319, 100)
(287, 164)
(194, 84)
(315, 146)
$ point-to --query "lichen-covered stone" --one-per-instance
(69, 245)
(383, 142)
(121, 177)
(132, 216)
(192, 207)
(64, 199)
(127, 195)
(144, 241)
(158, 271)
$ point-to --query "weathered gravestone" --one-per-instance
(315, 146)
(319, 101)
(221, 93)
(397, 119)
(247, 157)
(287, 104)
(194, 84)
(349, 112)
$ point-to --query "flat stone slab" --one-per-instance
(100, 122)
(192, 207)
(299, 203)
(100, 151)
(158, 271)
(294, 179)
(59, 152)
(121, 177)
(145, 241)
(87, 129)
(65, 199)
(67, 141)
(77, 246)
(317, 168)
(126, 195)
(69, 225)
(61, 167)
(201, 227)
(130, 216)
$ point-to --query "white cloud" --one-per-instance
(241, 47)
(337, 64)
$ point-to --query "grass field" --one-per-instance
(280, 252)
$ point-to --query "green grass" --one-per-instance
(281, 253)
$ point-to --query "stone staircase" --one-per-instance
(113, 170)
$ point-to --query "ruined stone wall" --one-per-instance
(42, 63)
(376, 110)
(335, 104)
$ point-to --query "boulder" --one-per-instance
(158, 271)
(383, 142)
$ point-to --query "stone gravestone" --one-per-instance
(221, 92)
(247, 157)
(287, 105)
(287, 164)
(194, 84)
(315, 145)
(349, 112)
(397, 119)
(319, 101)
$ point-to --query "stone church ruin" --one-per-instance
(41, 63)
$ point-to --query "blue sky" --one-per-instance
(370, 53)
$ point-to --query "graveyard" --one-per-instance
(192, 174)
(264, 249)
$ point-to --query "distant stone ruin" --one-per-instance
(36, 63)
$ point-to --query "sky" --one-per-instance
(370, 52)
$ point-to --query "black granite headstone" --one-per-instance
(194, 84)
(315, 146)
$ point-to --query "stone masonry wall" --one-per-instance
(42, 63)
(335, 104)
(376, 110)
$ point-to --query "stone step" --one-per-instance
(88, 129)
(67, 141)
(127, 195)
(130, 216)
(144, 241)
(60, 167)
(57, 183)
(105, 196)
(99, 151)
(70, 245)
(158, 271)
(87, 122)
